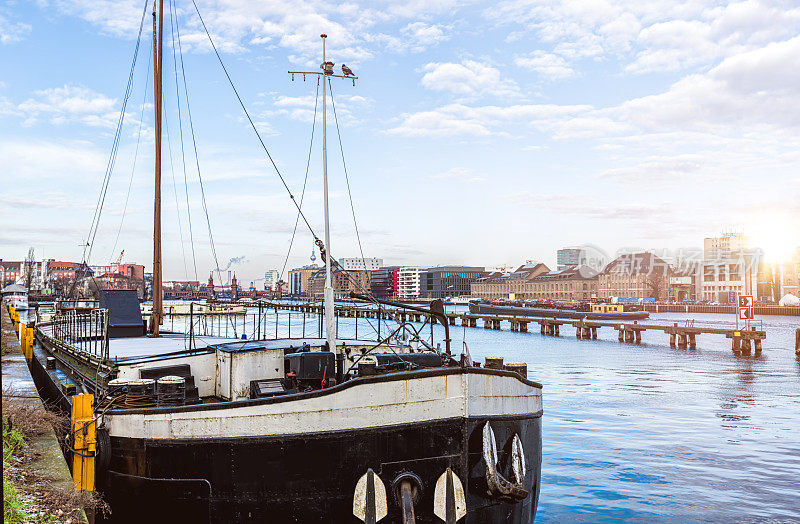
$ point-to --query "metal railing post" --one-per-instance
(107, 349)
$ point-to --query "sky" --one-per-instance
(485, 133)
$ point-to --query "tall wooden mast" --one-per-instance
(157, 60)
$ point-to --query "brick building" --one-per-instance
(635, 275)
(578, 283)
(511, 285)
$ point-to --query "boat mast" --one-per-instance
(157, 62)
(325, 248)
(330, 323)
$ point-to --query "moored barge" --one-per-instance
(590, 312)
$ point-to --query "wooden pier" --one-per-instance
(680, 336)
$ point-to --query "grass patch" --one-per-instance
(12, 442)
(13, 507)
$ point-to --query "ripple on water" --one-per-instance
(649, 433)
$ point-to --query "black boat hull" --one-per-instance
(311, 478)
(301, 475)
(533, 312)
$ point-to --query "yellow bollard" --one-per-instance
(29, 343)
(84, 442)
(12, 312)
(21, 334)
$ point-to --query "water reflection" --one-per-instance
(645, 433)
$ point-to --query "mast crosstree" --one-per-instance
(327, 71)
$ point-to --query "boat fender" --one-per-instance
(499, 486)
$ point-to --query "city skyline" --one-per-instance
(683, 258)
(688, 113)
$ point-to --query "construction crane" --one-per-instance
(115, 265)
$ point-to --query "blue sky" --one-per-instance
(482, 133)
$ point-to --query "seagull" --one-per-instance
(347, 71)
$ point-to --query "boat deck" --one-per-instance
(136, 349)
(139, 348)
(133, 347)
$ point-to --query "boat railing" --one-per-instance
(85, 332)
(265, 320)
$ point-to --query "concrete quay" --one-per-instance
(18, 386)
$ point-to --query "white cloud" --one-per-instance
(115, 17)
(662, 170)
(468, 79)
(240, 25)
(654, 36)
(460, 119)
(69, 104)
(65, 160)
(11, 31)
(754, 88)
(302, 107)
(459, 173)
(423, 35)
(549, 65)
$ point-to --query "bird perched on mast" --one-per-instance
(347, 71)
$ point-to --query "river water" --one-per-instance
(641, 433)
(644, 433)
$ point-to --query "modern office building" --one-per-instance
(569, 257)
(449, 281)
(730, 267)
(360, 264)
(271, 278)
(343, 282)
(298, 279)
(586, 255)
(408, 282)
(385, 282)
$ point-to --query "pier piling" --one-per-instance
(797, 342)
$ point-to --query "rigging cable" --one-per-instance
(87, 248)
(252, 124)
(175, 28)
(194, 144)
(305, 180)
(264, 146)
(135, 154)
(169, 145)
(347, 177)
(175, 192)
